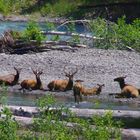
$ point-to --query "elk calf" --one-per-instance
(33, 84)
(63, 85)
(11, 79)
(126, 89)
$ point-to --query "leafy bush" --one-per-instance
(14, 6)
(8, 126)
(129, 34)
(54, 126)
(5, 7)
(118, 35)
(33, 32)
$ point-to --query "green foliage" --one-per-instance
(14, 6)
(50, 26)
(60, 8)
(129, 34)
(5, 7)
(54, 126)
(8, 126)
(106, 127)
(46, 101)
(55, 38)
(3, 95)
(33, 32)
(120, 35)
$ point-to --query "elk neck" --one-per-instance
(16, 78)
(38, 80)
(122, 84)
(70, 84)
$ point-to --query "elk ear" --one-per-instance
(101, 85)
(124, 76)
(79, 80)
(40, 72)
(67, 75)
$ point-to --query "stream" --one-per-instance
(20, 26)
(29, 98)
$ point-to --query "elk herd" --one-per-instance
(78, 88)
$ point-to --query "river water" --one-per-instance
(20, 26)
(67, 99)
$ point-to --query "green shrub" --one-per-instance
(118, 35)
(129, 34)
(5, 7)
(54, 126)
(3, 95)
(8, 126)
(33, 32)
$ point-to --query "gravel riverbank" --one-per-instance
(95, 66)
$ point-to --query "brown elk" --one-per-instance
(79, 90)
(63, 85)
(92, 91)
(11, 79)
(31, 84)
(126, 89)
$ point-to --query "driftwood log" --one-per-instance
(129, 118)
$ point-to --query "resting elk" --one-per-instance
(126, 89)
(63, 85)
(31, 84)
(92, 91)
(11, 79)
(79, 90)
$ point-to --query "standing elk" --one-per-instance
(31, 84)
(63, 85)
(126, 89)
(11, 79)
(77, 88)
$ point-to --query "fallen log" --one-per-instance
(71, 34)
(129, 118)
(86, 113)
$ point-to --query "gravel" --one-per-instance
(95, 66)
